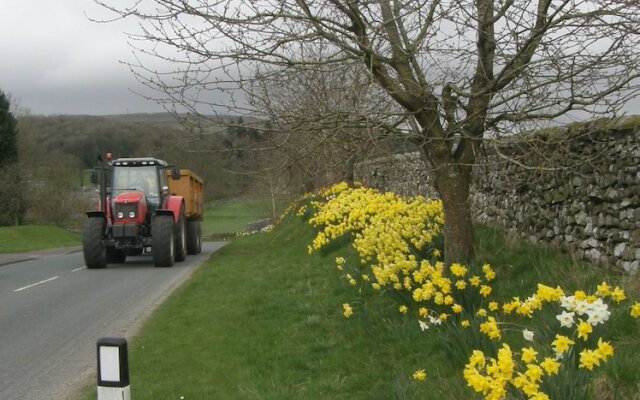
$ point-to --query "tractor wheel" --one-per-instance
(92, 245)
(181, 237)
(194, 237)
(162, 241)
(115, 256)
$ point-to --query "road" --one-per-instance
(53, 310)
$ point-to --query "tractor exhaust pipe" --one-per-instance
(102, 176)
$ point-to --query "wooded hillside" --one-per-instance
(78, 140)
(56, 151)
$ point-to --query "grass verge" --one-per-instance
(15, 239)
(229, 217)
(263, 320)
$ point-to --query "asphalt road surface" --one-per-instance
(53, 310)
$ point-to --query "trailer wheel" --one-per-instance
(194, 237)
(162, 241)
(181, 237)
(93, 247)
(115, 256)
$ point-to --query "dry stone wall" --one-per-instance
(579, 189)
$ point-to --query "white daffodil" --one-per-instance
(581, 307)
(566, 319)
(423, 326)
(528, 335)
(568, 302)
(598, 313)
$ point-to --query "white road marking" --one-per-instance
(79, 269)
(36, 284)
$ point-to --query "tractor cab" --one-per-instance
(134, 182)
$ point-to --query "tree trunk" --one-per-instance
(452, 183)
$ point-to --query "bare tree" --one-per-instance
(460, 71)
(324, 119)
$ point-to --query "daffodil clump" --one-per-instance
(394, 239)
(546, 369)
(388, 231)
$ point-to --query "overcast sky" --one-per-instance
(54, 60)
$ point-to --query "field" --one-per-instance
(14, 239)
(226, 218)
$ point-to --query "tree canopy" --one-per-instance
(8, 133)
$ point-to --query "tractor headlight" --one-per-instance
(132, 214)
(120, 214)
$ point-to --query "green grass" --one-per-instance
(232, 216)
(262, 319)
(14, 239)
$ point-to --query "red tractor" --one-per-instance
(145, 205)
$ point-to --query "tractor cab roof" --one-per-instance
(138, 162)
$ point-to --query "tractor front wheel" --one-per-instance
(162, 241)
(92, 245)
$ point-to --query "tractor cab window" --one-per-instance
(143, 178)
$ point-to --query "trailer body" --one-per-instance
(191, 187)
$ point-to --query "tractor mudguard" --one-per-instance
(174, 203)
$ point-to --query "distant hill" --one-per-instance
(209, 147)
(148, 118)
(86, 136)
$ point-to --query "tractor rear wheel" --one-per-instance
(194, 237)
(92, 245)
(162, 241)
(181, 237)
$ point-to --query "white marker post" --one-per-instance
(113, 369)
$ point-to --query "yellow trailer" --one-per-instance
(191, 187)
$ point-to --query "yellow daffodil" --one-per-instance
(460, 284)
(489, 273)
(589, 359)
(584, 329)
(490, 328)
(458, 270)
(635, 310)
(550, 366)
(604, 350)
(419, 375)
(529, 354)
(618, 295)
(347, 311)
(561, 343)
